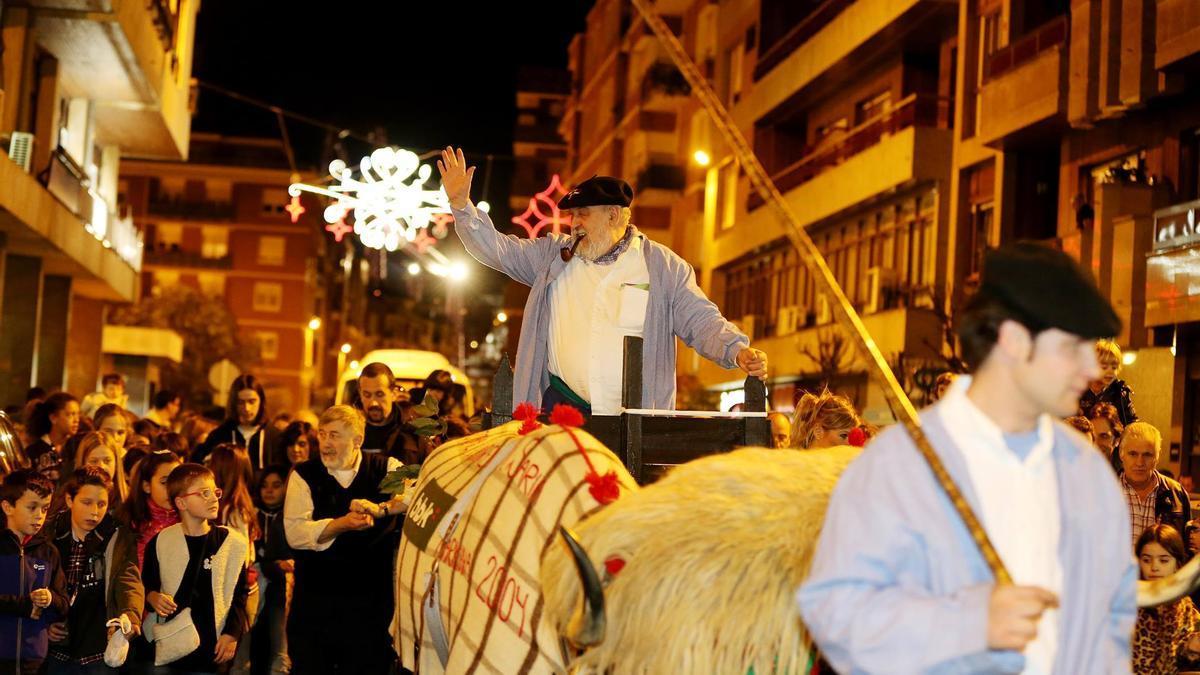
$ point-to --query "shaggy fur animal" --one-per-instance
(713, 554)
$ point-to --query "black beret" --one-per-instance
(598, 191)
(1046, 288)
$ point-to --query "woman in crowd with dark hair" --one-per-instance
(148, 510)
(1164, 636)
(52, 421)
(1107, 430)
(297, 443)
(246, 424)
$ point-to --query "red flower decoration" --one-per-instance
(604, 489)
(857, 437)
(565, 415)
(614, 565)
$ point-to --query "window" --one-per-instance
(218, 190)
(168, 236)
(268, 297)
(526, 119)
(268, 344)
(271, 250)
(211, 283)
(73, 131)
(163, 279)
(274, 201)
(215, 242)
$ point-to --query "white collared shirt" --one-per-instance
(592, 309)
(301, 531)
(1018, 500)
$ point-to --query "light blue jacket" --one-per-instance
(676, 306)
(897, 585)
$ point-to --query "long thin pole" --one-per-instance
(843, 311)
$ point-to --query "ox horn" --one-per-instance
(586, 628)
(1161, 591)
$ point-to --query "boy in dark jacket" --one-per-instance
(102, 582)
(1108, 389)
(31, 580)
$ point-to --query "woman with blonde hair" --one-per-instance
(823, 421)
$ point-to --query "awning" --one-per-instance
(139, 341)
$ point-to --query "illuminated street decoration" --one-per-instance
(294, 208)
(389, 199)
(339, 229)
(544, 207)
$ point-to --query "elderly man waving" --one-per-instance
(589, 292)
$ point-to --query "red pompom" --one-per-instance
(857, 437)
(525, 411)
(614, 565)
(528, 426)
(604, 489)
(566, 415)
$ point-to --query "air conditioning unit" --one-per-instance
(20, 149)
(791, 319)
(879, 281)
(824, 311)
(749, 325)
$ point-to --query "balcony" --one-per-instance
(875, 148)
(1025, 86)
(1173, 267)
(101, 252)
(1178, 32)
(174, 257)
(772, 52)
(175, 207)
(132, 57)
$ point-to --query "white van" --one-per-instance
(410, 367)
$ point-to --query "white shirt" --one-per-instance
(592, 309)
(301, 530)
(1018, 500)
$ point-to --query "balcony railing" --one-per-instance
(1048, 35)
(914, 110)
(774, 53)
(174, 257)
(665, 78)
(175, 207)
(1176, 226)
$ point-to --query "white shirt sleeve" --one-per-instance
(302, 532)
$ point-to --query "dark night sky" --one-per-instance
(431, 73)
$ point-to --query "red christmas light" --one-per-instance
(539, 205)
(339, 229)
(295, 209)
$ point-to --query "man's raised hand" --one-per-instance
(456, 176)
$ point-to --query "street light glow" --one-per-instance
(484, 206)
(346, 347)
(1129, 358)
(457, 271)
(474, 344)
(502, 317)
(702, 158)
(314, 323)
(414, 268)
(353, 366)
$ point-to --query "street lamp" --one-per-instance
(414, 268)
(502, 317)
(314, 323)
(346, 347)
(702, 158)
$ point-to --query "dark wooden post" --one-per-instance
(758, 429)
(631, 394)
(502, 396)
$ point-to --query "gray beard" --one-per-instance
(593, 247)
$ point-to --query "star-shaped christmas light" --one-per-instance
(544, 207)
(338, 230)
(294, 208)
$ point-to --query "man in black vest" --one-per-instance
(342, 603)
